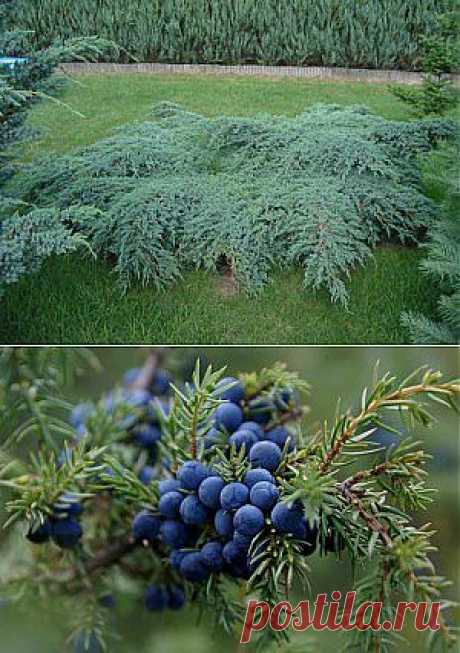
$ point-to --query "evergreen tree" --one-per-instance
(440, 57)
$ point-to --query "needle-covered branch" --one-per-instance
(387, 395)
(210, 490)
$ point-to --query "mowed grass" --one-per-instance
(71, 301)
(77, 300)
(111, 100)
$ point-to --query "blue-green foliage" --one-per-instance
(440, 57)
(27, 240)
(363, 33)
(320, 191)
(24, 83)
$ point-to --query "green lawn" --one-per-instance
(74, 301)
(111, 100)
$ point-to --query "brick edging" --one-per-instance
(308, 72)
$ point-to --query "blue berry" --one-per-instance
(233, 496)
(176, 557)
(174, 533)
(235, 394)
(155, 598)
(146, 435)
(223, 523)
(241, 540)
(232, 553)
(146, 526)
(228, 416)
(241, 439)
(193, 568)
(147, 474)
(191, 474)
(209, 491)
(212, 437)
(193, 511)
(109, 471)
(68, 505)
(280, 435)
(249, 520)
(264, 495)
(176, 597)
(169, 504)
(41, 534)
(81, 432)
(66, 533)
(289, 519)
(168, 485)
(265, 454)
(254, 427)
(283, 398)
(240, 569)
(211, 554)
(80, 414)
(87, 643)
(161, 383)
(254, 476)
(137, 398)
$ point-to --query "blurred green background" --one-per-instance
(39, 627)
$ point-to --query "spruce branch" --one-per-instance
(406, 464)
(125, 484)
(371, 520)
(190, 417)
(386, 396)
(271, 379)
(363, 515)
(31, 398)
(402, 475)
(39, 490)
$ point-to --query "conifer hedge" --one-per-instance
(350, 33)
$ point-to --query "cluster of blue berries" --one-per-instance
(208, 525)
(142, 426)
(145, 433)
(245, 421)
(62, 527)
(143, 430)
